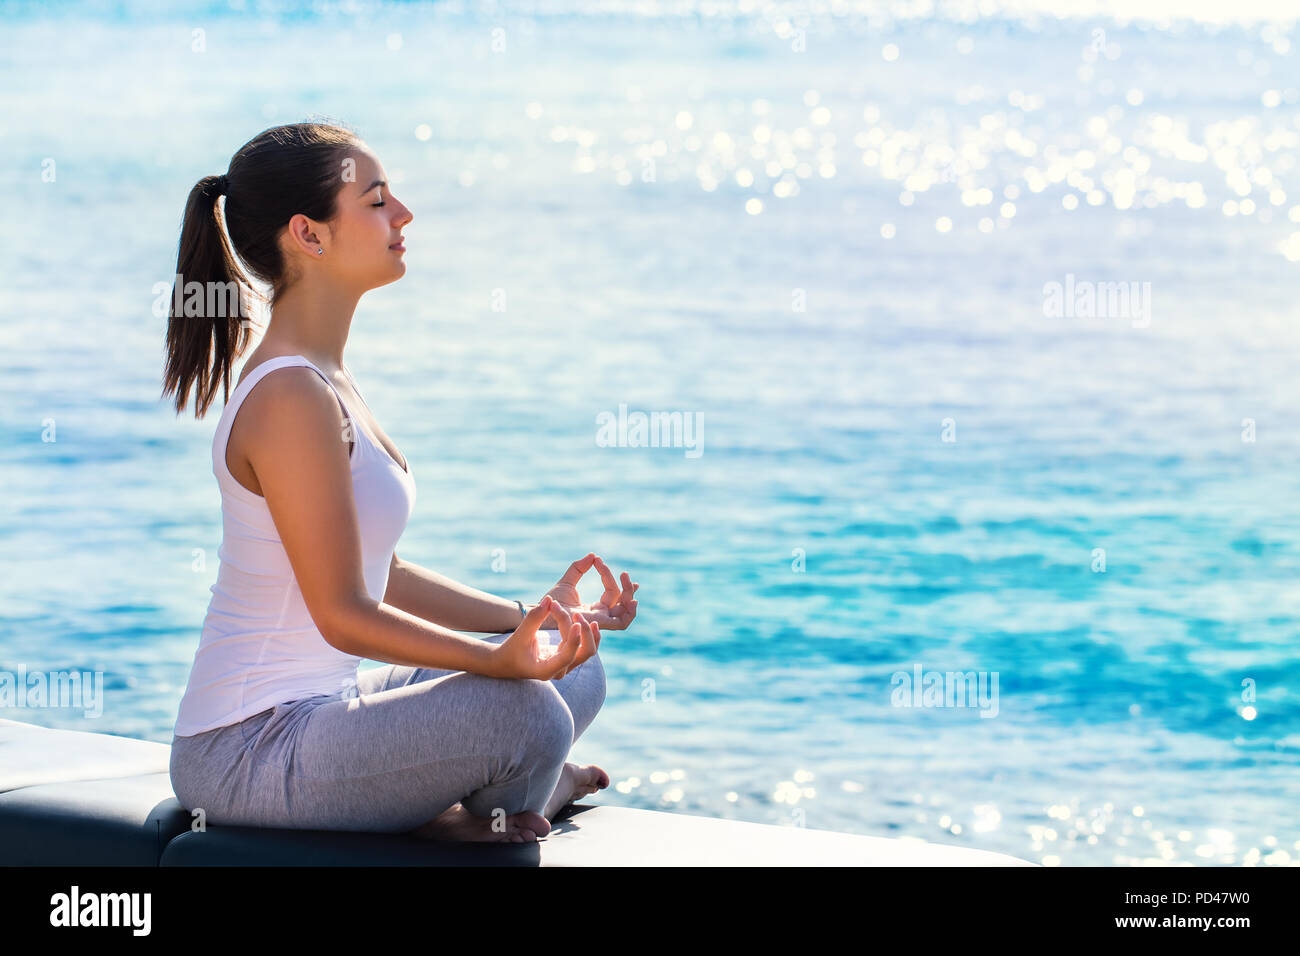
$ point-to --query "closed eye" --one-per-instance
(377, 204)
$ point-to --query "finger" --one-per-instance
(551, 665)
(626, 594)
(628, 589)
(532, 621)
(587, 623)
(575, 621)
(595, 630)
(538, 613)
(598, 613)
(611, 619)
(577, 569)
(563, 623)
(613, 604)
(587, 646)
(626, 612)
(617, 617)
(564, 658)
(607, 578)
(618, 612)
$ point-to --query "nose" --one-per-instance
(405, 217)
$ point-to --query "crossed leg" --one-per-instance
(583, 688)
(583, 692)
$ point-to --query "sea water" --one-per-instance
(834, 239)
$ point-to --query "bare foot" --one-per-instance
(575, 782)
(458, 824)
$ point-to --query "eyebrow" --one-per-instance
(377, 182)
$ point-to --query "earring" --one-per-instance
(320, 252)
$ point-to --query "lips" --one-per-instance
(399, 244)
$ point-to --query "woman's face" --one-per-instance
(362, 248)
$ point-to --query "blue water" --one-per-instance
(598, 170)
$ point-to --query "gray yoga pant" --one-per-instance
(413, 742)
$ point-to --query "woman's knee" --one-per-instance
(549, 718)
(596, 678)
(584, 687)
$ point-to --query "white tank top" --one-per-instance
(259, 646)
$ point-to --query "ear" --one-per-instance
(305, 234)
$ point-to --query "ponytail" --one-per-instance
(207, 328)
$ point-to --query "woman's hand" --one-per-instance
(522, 656)
(615, 609)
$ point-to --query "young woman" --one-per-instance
(459, 737)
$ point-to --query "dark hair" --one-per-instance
(283, 171)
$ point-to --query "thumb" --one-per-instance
(535, 616)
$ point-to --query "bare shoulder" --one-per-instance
(293, 398)
(290, 413)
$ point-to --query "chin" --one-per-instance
(392, 277)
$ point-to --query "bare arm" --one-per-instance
(298, 448)
(438, 598)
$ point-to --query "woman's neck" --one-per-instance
(312, 322)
